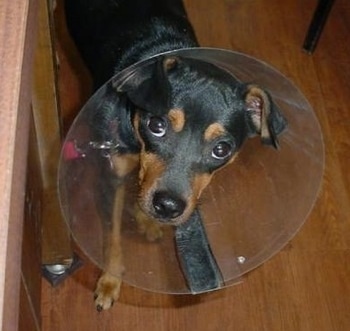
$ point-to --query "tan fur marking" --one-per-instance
(136, 126)
(147, 225)
(200, 182)
(213, 131)
(177, 119)
(124, 164)
(170, 63)
(108, 286)
(258, 101)
(151, 168)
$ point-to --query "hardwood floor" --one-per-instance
(306, 287)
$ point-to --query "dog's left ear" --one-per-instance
(263, 115)
(148, 87)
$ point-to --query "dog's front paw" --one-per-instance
(107, 291)
(148, 227)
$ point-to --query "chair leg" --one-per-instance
(317, 24)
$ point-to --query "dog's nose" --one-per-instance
(168, 206)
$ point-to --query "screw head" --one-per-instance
(241, 259)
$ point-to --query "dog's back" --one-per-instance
(113, 34)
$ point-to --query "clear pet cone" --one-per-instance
(251, 209)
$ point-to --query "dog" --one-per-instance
(179, 119)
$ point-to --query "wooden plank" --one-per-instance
(56, 247)
(17, 26)
(27, 320)
(30, 303)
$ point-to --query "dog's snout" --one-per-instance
(168, 206)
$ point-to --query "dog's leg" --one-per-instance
(108, 286)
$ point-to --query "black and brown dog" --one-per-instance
(180, 119)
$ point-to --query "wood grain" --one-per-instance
(17, 29)
(306, 286)
(56, 242)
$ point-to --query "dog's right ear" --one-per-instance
(264, 116)
(148, 87)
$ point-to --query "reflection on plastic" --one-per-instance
(251, 209)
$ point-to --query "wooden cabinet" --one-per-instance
(27, 180)
(17, 26)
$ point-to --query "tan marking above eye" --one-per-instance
(177, 119)
(170, 63)
(213, 131)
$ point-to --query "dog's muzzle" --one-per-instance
(167, 206)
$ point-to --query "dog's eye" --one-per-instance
(157, 126)
(222, 150)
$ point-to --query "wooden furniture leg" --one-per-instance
(317, 24)
(56, 243)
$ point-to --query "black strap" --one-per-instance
(196, 258)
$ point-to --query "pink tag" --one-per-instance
(71, 152)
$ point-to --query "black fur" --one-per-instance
(180, 119)
(112, 35)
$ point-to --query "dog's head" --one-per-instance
(191, 118)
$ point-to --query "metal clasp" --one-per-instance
(104, 145)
